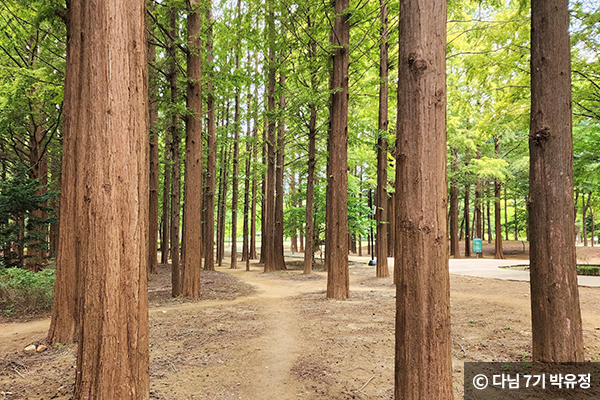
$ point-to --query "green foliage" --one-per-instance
(25, 292)
(19, 226)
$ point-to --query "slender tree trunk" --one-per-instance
(253, 255)
(176, 157)
(278, 231)
(236, 156)
(192, 207)
(249, 145)
(505, 214)
(584, 224)
(593, 229)
(381, 215)
(392, 222)
(111, 192)
(466, 223)
(498, 220)
(166, 209)
(211, 161)
(477, 216)
(423, 344)
(64, 324)
(489, 217)
(309, 246)
(219, 254)
(268, 215)
(516, 221)
(263, 206)
(222, 209)
(294, 238)
(556, 316)
(153, 183)
(336, 226)
(454, 245)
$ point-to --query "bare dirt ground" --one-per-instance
(258, 336)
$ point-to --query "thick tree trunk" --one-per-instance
(154, 160)
(279, 193)
(423, 344)
(381, 215)
(176, 157)
(336, 226)
(211, 161)
(192, 207)
(111, 192)
(454, 245)
(38, 162)
(556, 316)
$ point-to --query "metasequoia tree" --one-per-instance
(236, 154)
(192, 206)
(211, 162)
(499, 253)
(454, 245)
(336, 231)
(381, 215)
(111, 160)
(175, 156)
(154, 160)
(268, 213)
(423, 344)
(556, 317)
(279, 193)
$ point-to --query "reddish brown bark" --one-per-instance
(336, 231)
(423, 359)
(279, 193)
(192, 207)
(381, 214)
(454, 244)
(111, 187)
(556, 316)
(153, 183)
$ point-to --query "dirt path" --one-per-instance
(285, 341)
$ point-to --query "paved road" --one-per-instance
(490, 268)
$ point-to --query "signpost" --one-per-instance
(477, 246)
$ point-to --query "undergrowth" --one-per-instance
(25, 292)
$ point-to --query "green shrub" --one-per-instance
(587, 270)
(26, 292)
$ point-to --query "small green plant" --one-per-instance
(26, 292)
(471, 321)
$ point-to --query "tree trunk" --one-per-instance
(593, 230)
(477, 217)
(192, 207)
(584, 223)
(309, 251)
(211, 161)
(392, 222)
(505, 214)
(278, 231)
(222, 208)
(381, 214)
(249, 145)
(64, 324)
(336, 226)
(489, 217)
(111, 192)
(294, 238)
(516, 221)
(498, 220)
(454, 245)
(268, 215)
(176, 157)
(556, 316)
(253, 255)
(166, 209)
(154, 160)
(466, 222)
(423, 366)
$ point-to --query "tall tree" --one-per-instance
(423, 361)
(454, 245)
(211, 161)
(556, 316)
(175, 156)
(268, 212)
(279, 193)
(236, 154)
(497, 210)
(111, 160)
(336, 231)
(154, 160)
(381, 214)
(192, 206)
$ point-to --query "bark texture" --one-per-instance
(381, 215)
(336, 225)
(192, 207)
(153, 120)
(423, 344)
(556, 316)
(454, 245)
(112, 166)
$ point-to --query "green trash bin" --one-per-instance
(477, 246)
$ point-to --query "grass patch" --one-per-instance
(26, 292)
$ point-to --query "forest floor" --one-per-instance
(257, 336)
